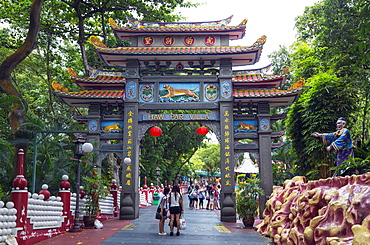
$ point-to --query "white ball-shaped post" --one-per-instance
(127, 160)
(87, 147)
(10, 204)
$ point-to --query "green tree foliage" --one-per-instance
(281, 59)
(28, 82)
(208, 158)
(330, 53)
(67, 23)
(325, 100)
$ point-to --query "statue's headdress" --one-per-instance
(342, 119)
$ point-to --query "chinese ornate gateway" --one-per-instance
(181, 66)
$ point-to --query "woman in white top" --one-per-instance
(176, 208)
(162, 208)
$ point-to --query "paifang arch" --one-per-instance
(181, 66)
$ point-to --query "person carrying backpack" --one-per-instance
(194, 197)
(162, 209)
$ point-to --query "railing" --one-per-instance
(31, 218)
(8, 219)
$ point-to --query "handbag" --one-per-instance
(182, 223)
(158, 215)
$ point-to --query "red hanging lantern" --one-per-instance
(202, 130)
(155, 131)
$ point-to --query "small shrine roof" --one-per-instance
(276, 97)
(240, 55)
(99, 79)
(258, 80)
(143, 23)
(262, 70)
(138, 27)
(84, 98)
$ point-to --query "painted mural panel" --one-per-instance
(130, 90)
(226, 89)
(210, 92)
(179, 92)
(112, 126)
(146, 92)
(245, 126)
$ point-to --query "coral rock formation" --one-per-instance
(333, 211)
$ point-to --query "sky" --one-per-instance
(273, 18)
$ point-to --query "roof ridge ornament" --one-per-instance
(299, 84)
(260, 41)
(112, 22)
(243, 23)
(72, 73)
(59, 87)
(96, 42)
(285, 71)
(140, 23)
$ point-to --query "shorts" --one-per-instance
(175, 210)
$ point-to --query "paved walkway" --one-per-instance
(203, 227)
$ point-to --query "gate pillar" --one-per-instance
(129, 208)
(227, 198)
(265, 165)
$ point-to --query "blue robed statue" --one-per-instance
(340, 141)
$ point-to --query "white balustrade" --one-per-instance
(106, 205)
(45, 214)
(7, 221)
(81, 207)
(143, 200)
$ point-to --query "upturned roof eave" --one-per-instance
(233, 34)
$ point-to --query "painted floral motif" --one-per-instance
(226, 90)
(146, 92)
(211, 92)
(131, 88)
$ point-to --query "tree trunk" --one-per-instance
(17, 116)
(81, 37)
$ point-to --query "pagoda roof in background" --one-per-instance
(247, 166)
(240, 55)
(84, 98)
(137, 27)
(258, 78)
(276, 97)
(99, 79)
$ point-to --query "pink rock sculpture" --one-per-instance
(327, 211)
